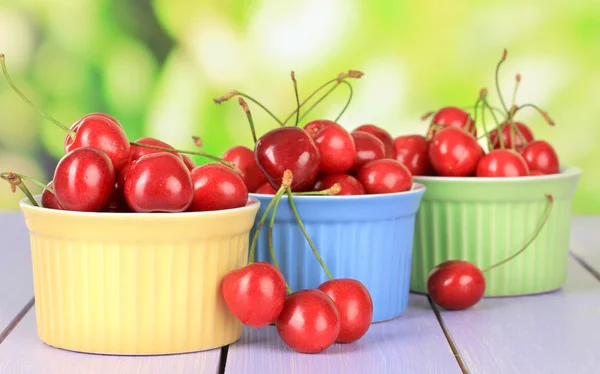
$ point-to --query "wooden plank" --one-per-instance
(412, 343)
(585, 242)
(23, 353)
(549, 333)
(16, 282)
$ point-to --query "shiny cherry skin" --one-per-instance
(502, 163)
(508, 133)
(349, 184)
(335, 144)
(104, 115)
(265, 189)
(137, 151)
(456, 284)
(288, 148)
(158, 182)
(49, 199)
(454, 153)
(217, 187)
(368, 148)
(243, 158)
(353, 302)
(309, 321)
(541, 156)
(119, 196)
(84, 180)
(100, 132)
(189, 163)
(254, 294)
(385, 176)
(413, 152)
(384, 136)
(453, 117)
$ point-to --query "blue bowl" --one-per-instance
(366, 237)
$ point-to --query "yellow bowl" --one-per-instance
(136, 284)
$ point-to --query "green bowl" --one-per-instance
(485, 220)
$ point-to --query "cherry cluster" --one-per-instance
(310, 320)
(451, 148)
(102, 171)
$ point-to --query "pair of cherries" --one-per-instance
(321, 154)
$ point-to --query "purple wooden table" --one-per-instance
(551, 333)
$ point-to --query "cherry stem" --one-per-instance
(271, 249)
(543, 113)
(347, 102)
(297, 98)
(535, 234)
(318, 101)
(498, 80)
(482, 96)
(233, 93)
(230, 165)
(29, 102)
(308, 239)
(333, 190)
(498, 125)
(15, 181)
(197, 141)
(263, 218)
(514, 97)
(249, 116)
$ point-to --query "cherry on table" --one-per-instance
(456, 284)
(244, 159)
(103, 133)
(49, 199)
(413, 152)
(265, 189)
(353, 302)
(254, 294)
(368, 148)
(383, 135)
(349, 184)
(137, 151)
(541, 156)
(158, 182)
(454, 153)
(385, 176)
(84, 180)
(217, 187)
(451, 116)
(309, 321)
(335, 144)
(288, 148)
(508, 133)
(502, 163)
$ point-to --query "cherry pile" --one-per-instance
(102, 171)
(308, 321)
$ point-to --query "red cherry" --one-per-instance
(100, 132)
(541, 156)
(453, 117)
(354, 303)
(454, 153)
(266, 189)
(385, 176)
(536, 172)
(217, 187)
(368, 148)
(288, 148)
(137, 151)
(502, 163)
(384, 136)
(243, 158)
(189, 163)
(508, 132)
(49, 199)
(104, 115)
(335, 144)
(413, 151)
(254, 294)
(84, 180)
(309, 321)
(456, 284)
(158, 182)
(349, 184)
(120, 187)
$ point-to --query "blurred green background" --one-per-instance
(156, 65)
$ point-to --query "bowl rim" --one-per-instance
(416, 189)
(565, 172)
(252, 203)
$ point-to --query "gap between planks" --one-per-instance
(11, 326)
(459, 359)
(585, 265)
(223, 359)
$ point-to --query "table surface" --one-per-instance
(549, 333)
